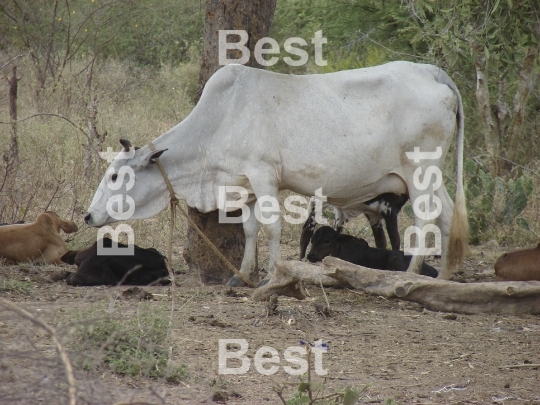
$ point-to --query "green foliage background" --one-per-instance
(139, 60)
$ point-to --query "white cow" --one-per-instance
(347, 132)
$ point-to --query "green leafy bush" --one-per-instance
(493, 201)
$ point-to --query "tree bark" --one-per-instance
(92, 138)
(491, 133)
(290, 277)
(523, 91)
(255, 17)
(11, 157)
(512, 297)
(14, 142)
(508, 297)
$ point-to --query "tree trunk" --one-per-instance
(502, 297)
(524, 87)
(11, 157)
(255, 17)
(491, 133)
(14, 142)
(92, 131)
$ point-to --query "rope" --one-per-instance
(175, 203)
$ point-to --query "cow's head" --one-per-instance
(323, 243)
(132, 188)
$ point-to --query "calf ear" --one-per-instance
(68, 226)
(69, 257)
(151, 157)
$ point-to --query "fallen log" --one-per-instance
(289, 279)
(513, 297)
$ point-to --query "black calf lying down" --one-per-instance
(146, 266)
(327, 242)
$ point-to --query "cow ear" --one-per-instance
(151, 157)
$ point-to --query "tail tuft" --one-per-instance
(459, 234)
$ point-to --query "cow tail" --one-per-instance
(459, 228)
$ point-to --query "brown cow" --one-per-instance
(519, 265)
(39, 241)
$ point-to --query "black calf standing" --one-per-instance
(385, 206)
(328, 242)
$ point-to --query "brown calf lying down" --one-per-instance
(39, 241)
(519, 265)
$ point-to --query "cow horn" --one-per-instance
(126, 144)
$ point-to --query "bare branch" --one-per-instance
(51, 115)
(63, 354)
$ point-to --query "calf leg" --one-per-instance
(393, 230)
(53, 253)
(378, 232)
(102, 276)
(308, 229)
(339, 220)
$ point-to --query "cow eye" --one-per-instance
(327, 241)
(114, 177)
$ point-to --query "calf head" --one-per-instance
(69, 256)
(59, 223)
(323, 243)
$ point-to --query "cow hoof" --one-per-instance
(235, 281)
(262, 282)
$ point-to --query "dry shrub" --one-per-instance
(134, 103)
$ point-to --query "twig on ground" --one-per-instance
(527, 365)
(63, 354)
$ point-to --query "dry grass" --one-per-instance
(138, 104)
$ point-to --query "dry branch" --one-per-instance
(289, 277)
(516, 297)
(527, 365)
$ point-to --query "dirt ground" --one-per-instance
(395, 352)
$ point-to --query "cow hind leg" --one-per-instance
(444, 223)
(438, 216)
(424, 225)
(249, 261)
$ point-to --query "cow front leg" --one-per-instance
(268, 213)
(249, 261)
(274, 235)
